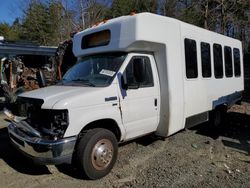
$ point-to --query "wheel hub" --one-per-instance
(102, 154)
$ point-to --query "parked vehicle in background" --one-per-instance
(27, 66)
(135, 75)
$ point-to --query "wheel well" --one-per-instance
(108, 124)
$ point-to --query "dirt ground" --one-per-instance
(198, 157)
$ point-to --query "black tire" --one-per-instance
(96, 163)
(217, 117)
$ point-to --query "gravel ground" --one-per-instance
(198, 157)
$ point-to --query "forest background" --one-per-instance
(49, 22)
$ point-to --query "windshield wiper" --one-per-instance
(87, 82)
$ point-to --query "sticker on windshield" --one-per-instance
(107, 72)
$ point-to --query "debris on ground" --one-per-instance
(194, 146)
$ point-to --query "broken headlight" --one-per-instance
(51, 123)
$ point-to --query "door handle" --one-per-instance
(155, 102)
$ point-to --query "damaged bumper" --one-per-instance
(40, 150)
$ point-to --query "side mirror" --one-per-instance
(139, 67)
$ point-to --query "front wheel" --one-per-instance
(97, 153)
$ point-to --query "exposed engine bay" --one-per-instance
(47, 123)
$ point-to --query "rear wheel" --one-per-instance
(217, 116)
(97, 153)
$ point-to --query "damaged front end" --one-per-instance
(38, 133)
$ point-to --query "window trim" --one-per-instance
(85, 39)
(222, 61)
(238, 49)
(211, 64)
(142, 56)
(185, 62)
(224, 49)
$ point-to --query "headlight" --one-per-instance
(52, 123)
(60, 121)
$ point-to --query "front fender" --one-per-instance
(80, 117)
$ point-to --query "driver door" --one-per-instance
(139, 104)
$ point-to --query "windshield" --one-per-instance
(95, 71)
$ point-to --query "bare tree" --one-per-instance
(91, 11)
(168, 7)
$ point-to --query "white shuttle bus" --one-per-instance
(135, 75)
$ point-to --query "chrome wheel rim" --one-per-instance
(102, 154)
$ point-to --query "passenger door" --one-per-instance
(140, 102)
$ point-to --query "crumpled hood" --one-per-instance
(64, 97)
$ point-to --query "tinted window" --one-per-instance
(237, 70)
(191, 58)
(218, 62)
(206, 60)
(131, 80)
(228, 61)
(101, 38)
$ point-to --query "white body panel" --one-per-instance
(201, 92)
(178, 97)
(161, 36)
(164, 37)
(139, 113)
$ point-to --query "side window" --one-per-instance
(206, 60)
(148, 81)
(218, 61)
(228, 61)
(237, 70)
(191, 58)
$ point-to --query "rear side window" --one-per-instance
(206, 60)
(228, 61)
(237, 71)
(218, 61)
(191, 58)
